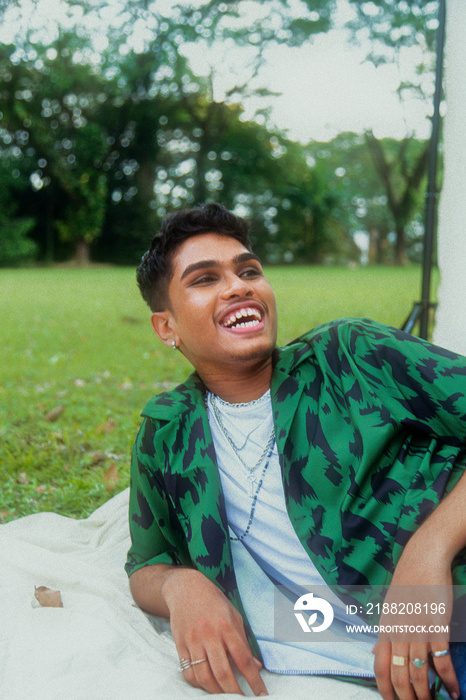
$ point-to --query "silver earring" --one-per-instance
(174, 345)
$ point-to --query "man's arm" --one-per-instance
(205, 625)
(426, 560)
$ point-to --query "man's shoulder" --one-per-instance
(174, 402)
(340, 329)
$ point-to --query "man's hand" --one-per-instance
(206, 627)
(426, 561)
(426, 579)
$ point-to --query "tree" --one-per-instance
(107, 132)
(362, 189)
(394, 28)
(48, 119)
(401, 173)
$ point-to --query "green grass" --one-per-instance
(81, 339)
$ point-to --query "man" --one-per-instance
(319, 460)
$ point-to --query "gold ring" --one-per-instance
(399, 660)
(199, 661)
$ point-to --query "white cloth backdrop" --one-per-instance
(99, 646)
(450, 327)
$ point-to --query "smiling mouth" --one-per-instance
(243, 318)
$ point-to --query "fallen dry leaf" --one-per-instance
(40, 489)
(98, 456)
(54, 414)
(106, 427)
(110, 477)
(48, 598)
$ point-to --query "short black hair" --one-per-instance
(155, 269)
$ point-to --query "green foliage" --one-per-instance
(109, 146)
(395, 25)
(98, 145)
(15, 246)
(398, 23)
(81, 339)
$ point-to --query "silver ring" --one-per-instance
(184, 664)
(437, 654)
(198, 661)
(419, 663)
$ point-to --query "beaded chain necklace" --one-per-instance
(241, 537)
(250, 470)
(251, 476)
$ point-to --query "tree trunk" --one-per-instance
(49, 232)
(378, 246)
(399, 256)
(82, 253)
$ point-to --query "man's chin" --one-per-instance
(255, 353)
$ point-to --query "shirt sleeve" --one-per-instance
(408, 380)
(156, 534)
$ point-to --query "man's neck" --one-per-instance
(240, 387)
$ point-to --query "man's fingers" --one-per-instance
(197, 671)
(215, 674)
(213, 670)
(418, 670)
(249, 669)
(444, 668)
(400, 671)
(382, 662)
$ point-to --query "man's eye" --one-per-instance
(250, 272)
(205, 279)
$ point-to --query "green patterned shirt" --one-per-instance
(371, 433)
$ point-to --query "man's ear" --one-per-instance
(162, 323)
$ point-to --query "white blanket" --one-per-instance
(99, 645)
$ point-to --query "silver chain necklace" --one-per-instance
(241, 537)
(250, 470)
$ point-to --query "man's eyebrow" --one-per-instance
(244, 257)
(202, 264)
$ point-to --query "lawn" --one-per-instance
(79, 361)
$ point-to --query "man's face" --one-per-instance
(223, 310)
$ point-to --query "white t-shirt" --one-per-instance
(271, 539)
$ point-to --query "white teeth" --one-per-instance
(243, 313)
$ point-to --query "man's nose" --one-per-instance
(235, 286)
